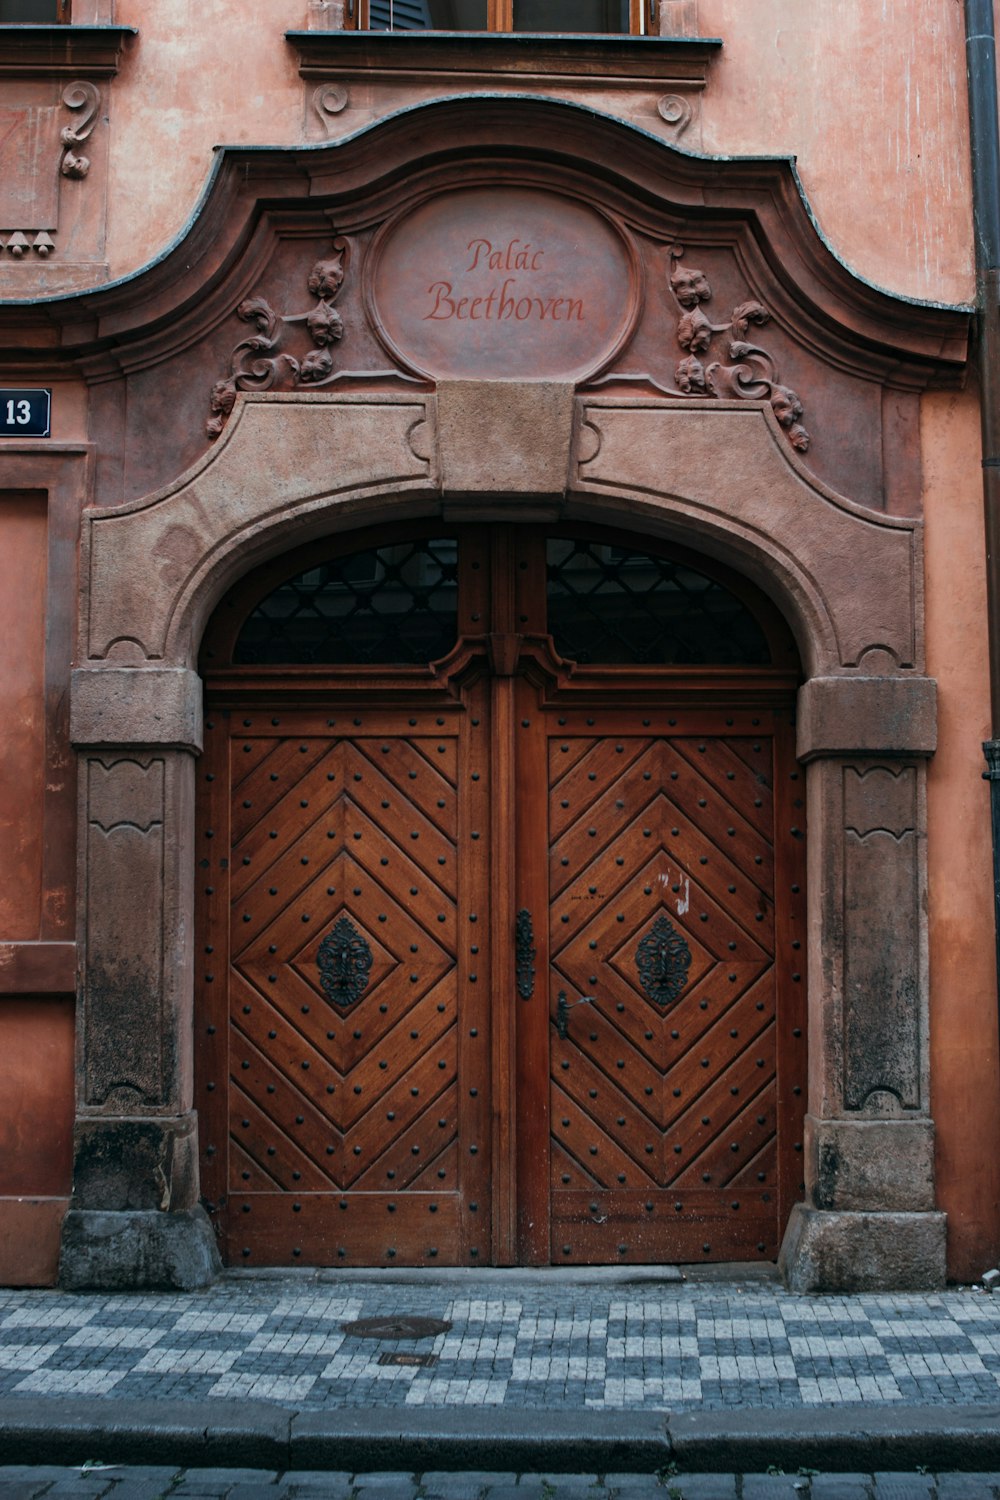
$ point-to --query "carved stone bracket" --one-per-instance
(257, 362)
(85, 97)
(676, 111)
(30, 183)
(39, 152)
(328, 100)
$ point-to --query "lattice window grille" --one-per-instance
(395, 605)
(619, 606)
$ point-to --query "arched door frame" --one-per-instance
(503, 700)
(714, 475)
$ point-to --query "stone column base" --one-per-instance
(863, 1252)
(137, 1250)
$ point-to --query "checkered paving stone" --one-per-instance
(562, 1346)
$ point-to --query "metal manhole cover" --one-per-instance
(404, 1327)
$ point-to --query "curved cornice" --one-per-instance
(756, 204)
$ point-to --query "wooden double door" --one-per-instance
(500, 959)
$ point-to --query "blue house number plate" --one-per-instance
(25, 413)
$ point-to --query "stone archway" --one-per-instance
(717, 474)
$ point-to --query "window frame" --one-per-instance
(63, 17)
(500, 18)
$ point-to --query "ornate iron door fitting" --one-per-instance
(662, 961)
(524, 948)
(344, 962)
(563, 1008)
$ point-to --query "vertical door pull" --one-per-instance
(524, 948)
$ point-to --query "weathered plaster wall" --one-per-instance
(36, 1134)
(869, 94)
(965, 1098)
(201, 73)
(22, 699)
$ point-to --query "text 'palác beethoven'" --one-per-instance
(510, 300)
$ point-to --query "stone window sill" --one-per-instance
(58, 51)
(642, 60)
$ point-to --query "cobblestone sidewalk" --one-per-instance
(536, 1344)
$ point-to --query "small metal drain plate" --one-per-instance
(400, 1357)
(402, 1327)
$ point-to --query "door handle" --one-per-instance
(563, 1008)
(524, 954)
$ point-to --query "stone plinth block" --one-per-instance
(151, 1251)
(880, 1165)
(122, 1165)
(136, 706)
(863, 1252)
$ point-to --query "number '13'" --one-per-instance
(19, 412)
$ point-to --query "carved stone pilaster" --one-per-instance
(869, 1218)
(134, 1218)
(123, 1066)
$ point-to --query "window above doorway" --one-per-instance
(607, 600)
(34, 12)
(548, 17)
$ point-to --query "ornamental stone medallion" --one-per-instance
(503, 283)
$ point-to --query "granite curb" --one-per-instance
(262, 1434)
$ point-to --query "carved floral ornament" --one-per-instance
(751, 374)
(745, 371)
(258, 364)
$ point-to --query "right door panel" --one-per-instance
(677, 1049)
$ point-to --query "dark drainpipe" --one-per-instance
(980, 47)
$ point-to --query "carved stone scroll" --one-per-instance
(676, 111)
(328, 101)
(85, 97)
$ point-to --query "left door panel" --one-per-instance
(342, 1043)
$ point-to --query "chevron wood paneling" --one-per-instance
(336, 1126)
(441, 1116)
(663, 1116)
